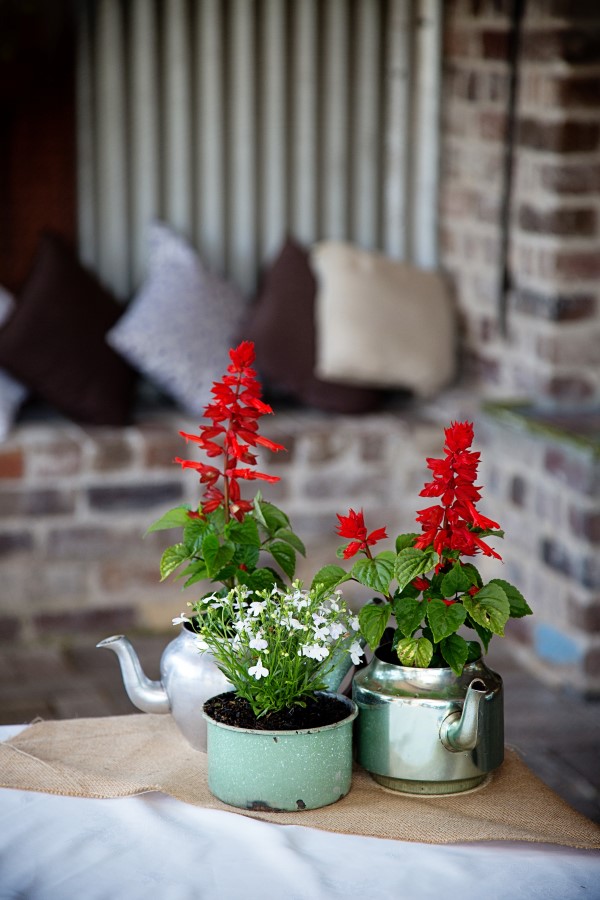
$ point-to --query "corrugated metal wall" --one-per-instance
(240, 120)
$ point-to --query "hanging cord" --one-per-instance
(514, 48)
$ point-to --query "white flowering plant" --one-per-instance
(276, 646)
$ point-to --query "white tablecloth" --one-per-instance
(152, 846)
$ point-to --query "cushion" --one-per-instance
(54, 342)
(381, 322)
(12, 392)
(281, 324)
(180, 325)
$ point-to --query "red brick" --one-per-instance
(557, 308)
(492, 125)
(582, 92)
(572, 388)
(126, 497)
(496, 44)
(571, 45)
(12, 464)
(55, 458)
(15, 542)
(585, 524)
(113, 452)
(86, 621)
(573, 265)
(585, 617)
(558, 137)
(161, 446)
(10, 627)
(571, 178)
(36, 503)
(569, 222)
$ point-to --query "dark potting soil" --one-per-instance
(230, 709)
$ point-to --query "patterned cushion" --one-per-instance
(12, 392)
(179, 327)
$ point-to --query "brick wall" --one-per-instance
(551, 347)
(544, 488)
(75, 503)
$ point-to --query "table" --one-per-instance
(153, 846)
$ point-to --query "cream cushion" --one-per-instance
(380, 322)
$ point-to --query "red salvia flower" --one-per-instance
(453, 524)
(353, 527)
(233, 434)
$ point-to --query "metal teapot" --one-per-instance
(428, 731)
(187, 679)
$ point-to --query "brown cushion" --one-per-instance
(281, 324)
(54, 340)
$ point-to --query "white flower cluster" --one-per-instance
(261, 633)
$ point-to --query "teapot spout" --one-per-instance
(149, 696)
(461, 732)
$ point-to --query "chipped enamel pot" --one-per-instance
(281, 770)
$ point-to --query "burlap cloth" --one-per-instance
(120, 756)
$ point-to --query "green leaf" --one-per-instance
(193, 533)
(411, 563)
(414, 652)
(474, 575)
(174, 518)
(329, 577)
(373, 617)
(171, 559)
(455, 651)
(375, 573)
(518, 605)
(474, 651)
(284, 534)
(285, 556)
(245, 533)
(409, 613)
(260, 579)
(456, 581)
(273, 518)
(484, 634)
(404, 540)
(215, 554)
(490, 608)
(444, 620)
(193, 573)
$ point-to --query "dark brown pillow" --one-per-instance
(281, 324)
(54, 340)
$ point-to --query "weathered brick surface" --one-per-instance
(114, 498)
(11, 464)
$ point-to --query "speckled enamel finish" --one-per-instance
(281, 770)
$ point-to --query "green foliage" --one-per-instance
(414, 651)
(375, 573)
(410, 563)
(373, 618)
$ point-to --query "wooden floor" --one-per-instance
(557, 735)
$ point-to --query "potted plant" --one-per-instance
(278, 741)
(226, 540)
(431, 718)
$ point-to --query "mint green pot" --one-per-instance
(281, 770)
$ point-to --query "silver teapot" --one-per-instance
(187, 679)
(428, 731)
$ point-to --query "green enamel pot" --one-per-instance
(281, 770)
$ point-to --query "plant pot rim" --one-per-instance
(350, 704)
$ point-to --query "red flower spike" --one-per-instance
(453, 524)
(353, 527)
(233, 430)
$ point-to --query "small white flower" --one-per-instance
(257, 606)
(258, 642)
(315, 651)
(336, 630)
(300, 602)
(321, 634)
(180, 619)
(318, 620)
(258, 671)
(356, 652)
(354, 623)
